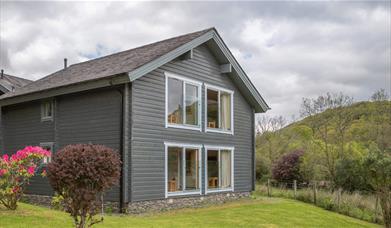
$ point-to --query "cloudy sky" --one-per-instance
(289, 50)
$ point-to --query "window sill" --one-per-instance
(219, 131)
(187, 127)
(170, 194)
(219, 190)
(45, 119)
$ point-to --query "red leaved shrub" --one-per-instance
(287, 168)
(79, 173)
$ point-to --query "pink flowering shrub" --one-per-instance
(16, 171)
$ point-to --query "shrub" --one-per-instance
(350, 175)
(79, 173)
(16, 171)
(287, 168)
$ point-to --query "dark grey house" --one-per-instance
(180, 112)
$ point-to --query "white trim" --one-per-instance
(218, 89)
(184, 146)
(219, 148)
(47, 144)
(185, 81)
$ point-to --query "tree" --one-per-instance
(380, 95)
(350, 175)
(331, 128)
(287, 168)
(268, 127)
(78, 174)
(378, 166)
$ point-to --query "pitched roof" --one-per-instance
(10, 82)
(121, 62)
(136, 63)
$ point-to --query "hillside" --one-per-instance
(347, 132)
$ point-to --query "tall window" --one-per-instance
(183, 102)
(47, 108)
(183, 169)
(219, 106)
(219, 169)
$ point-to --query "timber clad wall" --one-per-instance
(91, 117)
(149, 133)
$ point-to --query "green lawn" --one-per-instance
(262, 212)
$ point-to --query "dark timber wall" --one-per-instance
(90, 117)
(148, 132)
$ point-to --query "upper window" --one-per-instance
(183, 98)
(219, 110)
(47, 109)
(182, 169)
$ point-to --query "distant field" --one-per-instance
(262, 212)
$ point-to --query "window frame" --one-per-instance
(47, 144)
(219, 90)
(219, 148)
(185, 81)
(43, 117)
(184, 146)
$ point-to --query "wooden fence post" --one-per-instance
(268, 188)
(294, 188)
(314, 188)
(339, 198)
(376, 207)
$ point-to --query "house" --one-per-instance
(179, 111)
(9, 83)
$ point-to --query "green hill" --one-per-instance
(329, 136)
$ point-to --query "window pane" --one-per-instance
(225, 168)
(175, 101)
(47, 109)
(174, 166)
(191, 104)
(191, 169)
(213, 109)
(225, 110)
(213, 169)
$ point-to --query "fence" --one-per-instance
(362, 205)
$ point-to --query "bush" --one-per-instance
(287, 168)
(16, 171)
(79, 173)
(350, 175)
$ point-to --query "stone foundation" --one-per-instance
(183, 202)
(154, 205)
(39, 200)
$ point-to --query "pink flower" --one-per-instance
(2, 172)
(31, 170)
(6, 158)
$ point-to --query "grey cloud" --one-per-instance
(290, 50)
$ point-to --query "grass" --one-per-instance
(352, 204)
(258, 212)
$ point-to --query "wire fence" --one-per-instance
(363, 205)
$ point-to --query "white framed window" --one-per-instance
(49, 146)
(219, 114)
(182, 169)
(219, 169)
(47, 110)
(183, 102)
